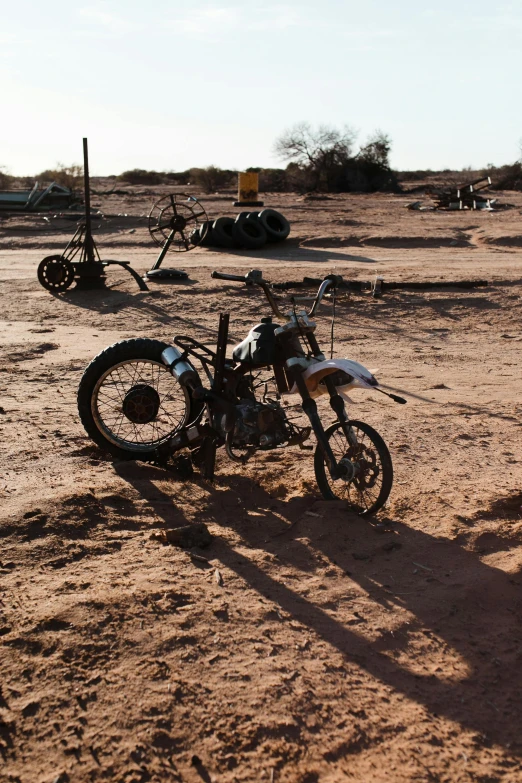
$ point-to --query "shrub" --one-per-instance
(213, 178)
(507, 177)
(141, 177)
(177, 177)
(324, 159)
(68, 176)
(5, 179)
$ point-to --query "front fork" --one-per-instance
(336, 470)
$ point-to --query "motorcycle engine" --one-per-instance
(259, 424)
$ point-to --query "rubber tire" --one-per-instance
(205, 230)
(242, 215)
(323, 480)
(68, 274)
(222, 232)
(253, 215)
(249, 233)
(276, 225)
(198, 235)
(195, 237)
(139, 348)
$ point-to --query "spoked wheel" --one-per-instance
(129, 402)
(369, 479)
(55, 273)
(178, 216)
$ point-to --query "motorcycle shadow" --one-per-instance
(369, 591)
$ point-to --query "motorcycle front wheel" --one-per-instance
(129, 402)
(370, 486)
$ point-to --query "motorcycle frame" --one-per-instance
(205, 439)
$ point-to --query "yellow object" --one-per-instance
(247, 186)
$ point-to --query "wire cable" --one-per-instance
(332, 327)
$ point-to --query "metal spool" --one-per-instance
(174, 219)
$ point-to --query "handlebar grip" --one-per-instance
(336, 280)
(223, 276)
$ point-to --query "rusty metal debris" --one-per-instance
(53, 197)
(467, 196)
(81, 260)
(38, 210)
(176, 222)
(378, 286)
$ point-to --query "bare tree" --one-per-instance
(377, 149)
(320, 151)
(324, 158)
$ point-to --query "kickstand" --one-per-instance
(205, 458)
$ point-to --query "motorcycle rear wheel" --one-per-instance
(370, 488)
(130, 403)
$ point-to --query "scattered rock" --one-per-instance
(31, 708)
(222, 613)
(218, 577)
(188, 536)
(199, 558)
(34, 513)
(53, 624)
(356, 619)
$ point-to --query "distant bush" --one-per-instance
(177, 177)
(141, 177)
(507, 177)
(5, 179)
(68, 176)
(414, 176)
(324, 159)
(209, 179)
(212, 178)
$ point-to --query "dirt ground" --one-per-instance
(333, 648)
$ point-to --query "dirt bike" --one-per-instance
(144, 399)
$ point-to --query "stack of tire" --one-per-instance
(249, 230)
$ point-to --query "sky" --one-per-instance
(168, 85)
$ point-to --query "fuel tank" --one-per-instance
(261, 346)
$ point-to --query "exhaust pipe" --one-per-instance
(182, 370)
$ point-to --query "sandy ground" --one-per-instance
(335, 648)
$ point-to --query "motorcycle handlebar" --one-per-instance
(255, 277)
(223, 276)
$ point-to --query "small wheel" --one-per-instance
(276, 225)
(178, 213)
(55, 273)
(249, 233)
(369, 481)
(130, 403)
